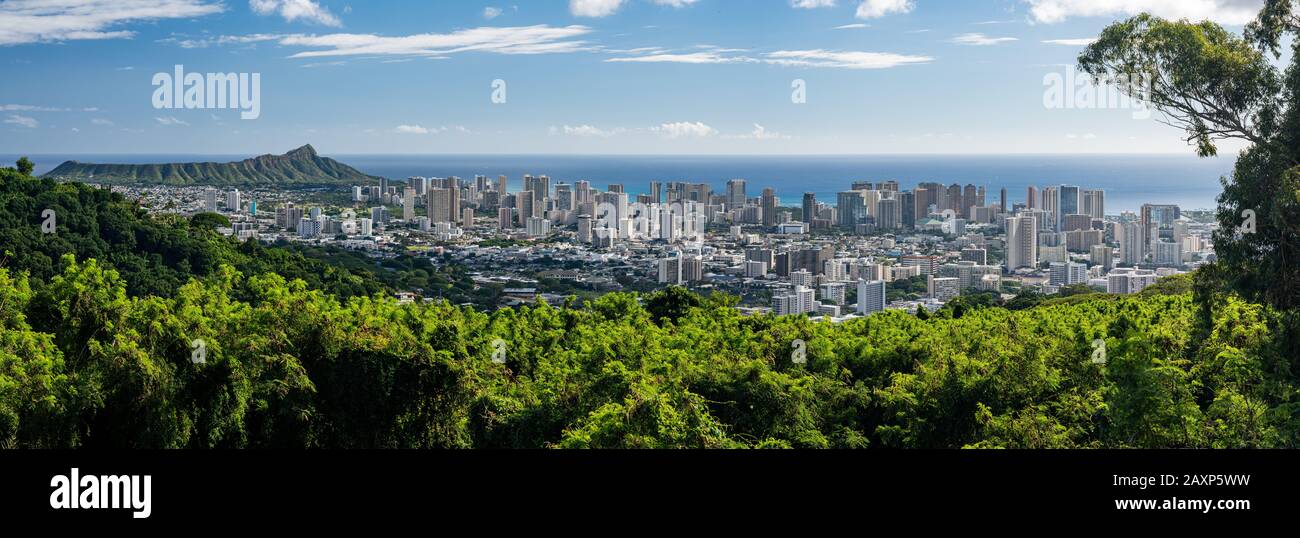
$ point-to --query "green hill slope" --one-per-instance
(301, 166)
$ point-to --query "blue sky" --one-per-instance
(582, 76)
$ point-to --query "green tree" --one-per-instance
(1219, 86)
(209, 221)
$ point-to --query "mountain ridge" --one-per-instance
(300, 166)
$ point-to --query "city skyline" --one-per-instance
(578, 77)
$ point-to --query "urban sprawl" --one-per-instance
(874, 247)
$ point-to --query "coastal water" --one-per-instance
(1129, 180)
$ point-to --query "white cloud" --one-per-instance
(586, 131)
(36, 21)
(811, 4)
(490, 12)
(685, 129)
(760, 133)
(292, 10)
(30, 108)
(205, 42)
(605, 8)
(793, 58)
(101, 121)
(539, 39)
(412, 129)
(420, 130)
(843, 60)
(170, 120)
(1072, 42)
(1233, 12)
(594, 8)
(36, 108)
(981, 40)
(708, 57)
(852, 26)
(24, 121)
(874, 9)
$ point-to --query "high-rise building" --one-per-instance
(584, 228)
(1169, 254)
(440, 208)
(308, 228)
(506, 219)
(538, 187)
(1094, 203)
(809, 207)
(969, 198)
(210, 200)
(928, 265)
(408, 204)
(943, 289)
(453, 185)
(1131, 249)
(525, 206)
(1031, 198)
(978, 255)
(537, 227)
(801, 277)
(769, 207)
(1052, 205)
(287, 216)
(1070, 202)
(833, 292)
(670, 270)
(693, 269)
(1076, 221)
(852, 209)
(233, 203)
(1157, 220)
(564, 199)
(736, 193)
(871, 296)
(1102, 255)
(1067, 273)
(1126, 281)
(954, 200)
(1022, 243)
(907, 208)
(889, 214)
(801, 300)
(922, 198)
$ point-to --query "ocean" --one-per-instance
(1129, 180)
